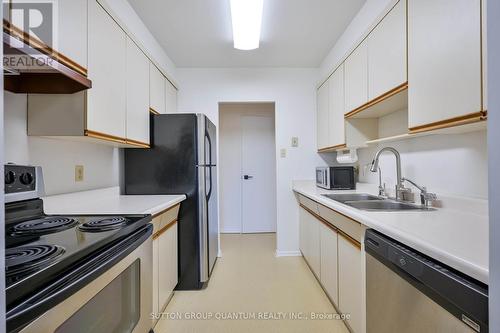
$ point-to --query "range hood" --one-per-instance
(30, 66)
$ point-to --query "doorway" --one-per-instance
(247, 167)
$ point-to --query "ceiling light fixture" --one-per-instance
(247, 21)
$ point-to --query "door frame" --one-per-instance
(222, 108)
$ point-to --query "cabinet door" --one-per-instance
(72, 30)
(167, 265)
(157, 90)
(171, 97)
(302, 230)
(444, 60)
(322, 115)
(314, 245)
(350, 282)
(336, 108)
(137, 94)
(387, 53)
(156, 254)
(356, 78)
(328, 240)
(106, 110)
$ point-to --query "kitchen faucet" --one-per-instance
(426, 198)
(400, 189)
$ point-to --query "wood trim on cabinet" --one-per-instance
(165, 210)
(452, 122)
(164, 229)
(153, 111)
(42, 47)
(377, 100)
(117, 139)
(332, 148)
(350, 239)
(139, 144)
(104, 136)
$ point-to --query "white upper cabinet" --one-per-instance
(157, 94)
(322, 116)
(137, 94)
(356, 78)
(444, 60)
(106, 112)
(171, 97)
(336, 108)
(387, 64)
(72, 30)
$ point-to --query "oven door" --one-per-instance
(118, 300)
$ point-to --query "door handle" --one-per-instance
(247, 177)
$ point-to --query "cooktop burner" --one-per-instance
(44, 226)
(105, 224)
(23, 259)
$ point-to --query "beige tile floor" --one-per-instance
(250, 280)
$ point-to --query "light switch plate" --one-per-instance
(295, 141)
(79, 172)
(283, 152)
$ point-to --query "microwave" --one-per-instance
(335, 178)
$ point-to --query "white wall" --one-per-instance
(494, 155)
(126, 16)
(294, 92)
(230, 163)
(57, 157)
(364, 21)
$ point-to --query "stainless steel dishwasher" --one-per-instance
(409, 292)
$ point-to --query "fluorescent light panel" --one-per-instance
(247, 21)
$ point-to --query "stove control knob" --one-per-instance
(10, 177)
(27, 178)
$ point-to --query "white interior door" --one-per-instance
(258, 175)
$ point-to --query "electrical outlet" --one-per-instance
(283, 153)
(295, 141)
(79, 173)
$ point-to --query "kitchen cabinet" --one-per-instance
(115, 110)
(336, 109)
(311, 238)
(329, 262)
(72, 32)
(341, 258)
(322, 116)
(350, 281)
(444, 63)
(137, 94)
(387, 65)
(171, 97)
(165, 258)
(106, 112)
(157, 96)
(356, 78)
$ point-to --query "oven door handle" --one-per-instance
(27, 311)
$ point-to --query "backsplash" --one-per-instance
(56, 156)
(455, 164)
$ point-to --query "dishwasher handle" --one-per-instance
(462, 296)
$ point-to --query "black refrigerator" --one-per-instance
(182, 160)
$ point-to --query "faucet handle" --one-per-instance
(428, 198)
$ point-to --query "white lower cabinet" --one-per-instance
(330, 243)
(311, 241)
(165, 260)
(350, 282)
(329, 262)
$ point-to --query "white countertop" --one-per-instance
(456, 236)
(108, 201)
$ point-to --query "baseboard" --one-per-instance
(280, 253)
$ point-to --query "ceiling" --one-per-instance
(295, 33)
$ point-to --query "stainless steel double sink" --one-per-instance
(370, 202)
